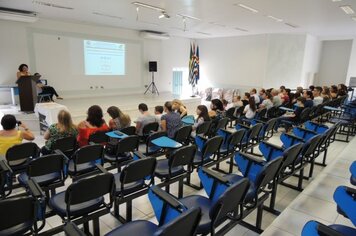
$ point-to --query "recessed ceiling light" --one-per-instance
(189, 17)
(247, 8)
(164, 15)
(275, 18)
(217, 24)
(291, 25)
(347, 9)
(241, 29)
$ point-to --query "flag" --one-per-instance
(190, 64)
(196, 66)
(193, 65)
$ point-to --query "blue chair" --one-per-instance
(224, 202)
(252, 135)
(345, 198)
(353, 173)
(314, 228)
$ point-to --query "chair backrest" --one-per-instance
(181, 157)
(99, 137)
(185, 224)
(304, 115)
(254, 131)
(230, 113)
(21, 153)
(291, 154)
(222, 123)
(148, 128)
(311, 145)
(268, 173)
(17, 211)
(270, 125)
(261, 113)
(88, 153)
(138, 170)
(128, 144)
(211, 146)
(271, 113)
(53, 163)
(67, 145)
(131, 130)
(90, 188)
(229, 201)
(203, 128)
(235, 139)
(182, 135)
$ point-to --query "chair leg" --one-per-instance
(129, 211)
(96, 227)
(259, 216)
(231, 164)
(86, 228)
(300, 179)
(167, 188)
(180, 188)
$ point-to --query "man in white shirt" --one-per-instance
(254, 94)
(277, 101)
(317, 98)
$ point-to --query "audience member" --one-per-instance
(250, 109)
(245, 99)
(284, 96)
(308, 95)
(64, 128)
(178, 106)
(46, 89)
(119, 120)
(261, 94)
(236, 101)
(144, 119)
(171, 121)
(277, 101)
(203, 115)
(333, 92)
(325, 94)
(92, 124)
(317, 96)
(11, 136)
(342, 90)
(267, 101)
(225, 104)
(311, 88)
(254, 94)
(291, 116)
(216, 107)
(158, 112)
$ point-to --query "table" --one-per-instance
(47, 113)
(12, 88)
(112, 134)
(165, 142)
(332, 108)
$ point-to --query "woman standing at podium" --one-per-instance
(23, 71)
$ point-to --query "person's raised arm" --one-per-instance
(26, 133)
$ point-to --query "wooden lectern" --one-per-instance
(27, 92)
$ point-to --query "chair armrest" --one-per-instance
(72, 230)
(201, 137)
(244, 126)
(215, 175)
(61, 153)
(272, 145)
(35, 189)
(139, 155)
(168, 198)
(351, 191)
(252, 158)
(306, 130)
(226, 131)
(294, 137)
(101, 168)
(325, 230)
(4, 166)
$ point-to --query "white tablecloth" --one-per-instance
(50, 110)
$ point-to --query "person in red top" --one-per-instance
(93, 123)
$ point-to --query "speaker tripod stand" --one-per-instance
(152, 86)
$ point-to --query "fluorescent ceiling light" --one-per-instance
(347, 9)
(275, 18)
(248, 8)
(106, 15)
(47, 4)
(336, 0)
(164, 15)
(217, 24)
(18, 17)
(199, 32)
(291, 25)
(148, 6)
(188, 17)
(241, 29)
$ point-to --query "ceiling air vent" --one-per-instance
(148, 34)
(18, 15)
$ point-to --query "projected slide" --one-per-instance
(104, 58)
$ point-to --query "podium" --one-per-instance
(28, 92)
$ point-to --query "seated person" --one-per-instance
(284, 96)
(158, 112)
(217, 108)
(277, 101)
(203, 115)
(178, 106)
(64, 128)
(45, 89)
(253, 93)
(250, 109)
(225, 104)
(267, 101)
(144, 119)
(119, 120)
(318, 99)
(93, 123)
(245, 99)
(292, 116)
(171, 121)
(308, 95)
(236, 101)
(11, 136)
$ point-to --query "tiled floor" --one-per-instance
(315, 202)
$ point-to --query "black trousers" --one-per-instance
(49, 90)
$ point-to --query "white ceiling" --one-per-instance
(322, 18)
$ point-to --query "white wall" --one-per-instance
(351, 72)
(311, 60)
(334, 62)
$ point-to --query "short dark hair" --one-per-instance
(248, 95)
(22, 66)
(8, 122)
(159, 109)
(254, 90)
(301, 99)
(311, 87)
(310, 94)
(168, 105)
(320, 89)
(95, 116)
(142, 107)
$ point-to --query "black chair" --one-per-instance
(178, 164)
(148, 148)
(48, 172)
(84, 201)
(5, 179)
(84, 160)
(230, 113)
(252, 136)
(67, 145)
(224, 201)
(136, 176)
(98, 137)
(182, 135)
(124, 149)
(20, 214)
(202, 129)
(148, 129)
(221, 124)
(184, 224)
(131, 130)
(18, 156)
